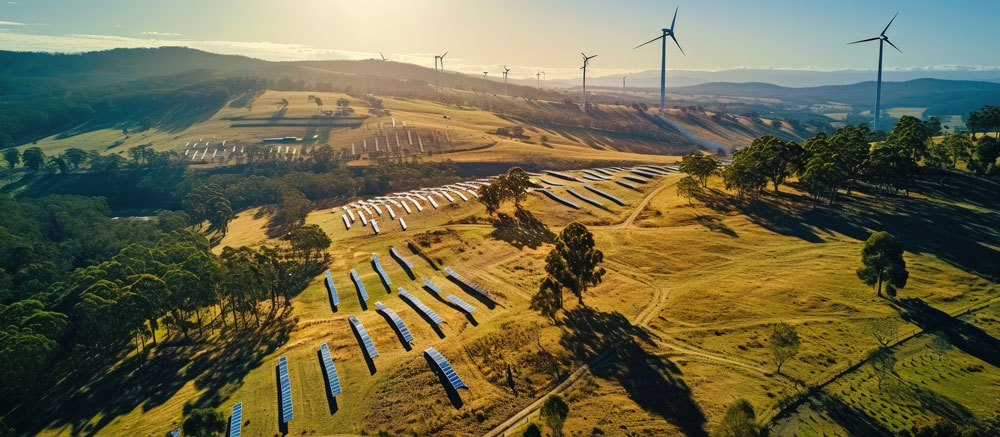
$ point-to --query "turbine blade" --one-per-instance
(864, 40)
(675, 19)
(584, 54)
(678, 44)
(890, 24)
(893, 45)
(647, 42)
(445, 54)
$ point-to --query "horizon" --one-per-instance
(713, 41)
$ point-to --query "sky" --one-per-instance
(525, 35)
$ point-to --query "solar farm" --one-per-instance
(388, 307)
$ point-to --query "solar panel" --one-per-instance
(626, 185)
(461, 303)
(433, 203)
(643, 173)
(405, 206)
(485, 292)
(364, 221)
(473, 193)
(392, 214)
(369, 346)
(377, 209)
(636, 179)
(459, 193)
(286, 389)
(445, 368)
(347, 223)
(396, 320)
(402, 223)
(375, 227)
(333, 290)
(595, 175)
(433, 286)
(236, 421)
(395, 254)
(604, 194)
(447, 196)
(553, 196)
(554, 184)
(585, 198)
(378, 269)
(351, 214)
(417, 204)
(331, 371)
(360, 285)
(420, 306)
(561, 175)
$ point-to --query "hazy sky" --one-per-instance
(524, 34)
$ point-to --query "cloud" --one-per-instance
(160, 33)
(10, 23)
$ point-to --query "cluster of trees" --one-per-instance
(513, 132)
(510, 186)
(164, 101)
(986, 119)
(574, 263)
(826, 164)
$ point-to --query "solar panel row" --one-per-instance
(236, 421)
(585, 198)
(485, 292)
(380, 271)
(445, 368)
(360, 285)
(402, 223)
(333, 290)
(635, 179)
(395, 254)
(605, 195)
(375, 227)
(400, 326)
(420, 306)
(369, 345)
(553, 196)
(626, 185)
(286, 389)
(461, 303)
(331, 371)
(554, 184)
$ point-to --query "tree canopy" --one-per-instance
(882, 259)
(574, 262)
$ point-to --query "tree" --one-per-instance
(959, 147)
(746, 174)
(34, 158)
(911, 135)
(889, 168)
(204, 422)
(548, 300)
(738, 421)
(309, 240)
(937, 155)
(884, 330)
(531, 430)
(780, 158)
(553, 413)
(825, 170)
(883, 362)
(688, 187)
(987, 152)
(208, 202)
(75, 156)
(883, 262)
(938, 427)
(700, 166)
(783, 344)
(319, 103)
(491, 196)
(574, 262)
(516, 183)
(12, 156)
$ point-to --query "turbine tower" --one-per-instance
(383, 56)
(586, 60)
(878, 86)
(623, 86)
(663, 57)
(538, 79)
(437, 73)
(505, 71)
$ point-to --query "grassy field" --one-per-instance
(674, 333)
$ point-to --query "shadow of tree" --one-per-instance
(653, 382)
(961, 334)
(937, 220)
(524, 229)
(147, 382)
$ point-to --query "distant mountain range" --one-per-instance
(793, 78)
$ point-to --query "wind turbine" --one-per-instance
(383, 56)
(878, 87)
(538, 79)
(505, 71)
(663, 57)
(586, 60)
(623, 86)
(437, 74)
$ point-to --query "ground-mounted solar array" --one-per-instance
(332, 289)
(236, 421)
(445, 368)
(429, 313)
(400, 325)
(483, 291)
(380, 270)
(285, 387)
(332, 380)
(365, 338)
(359, 285)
